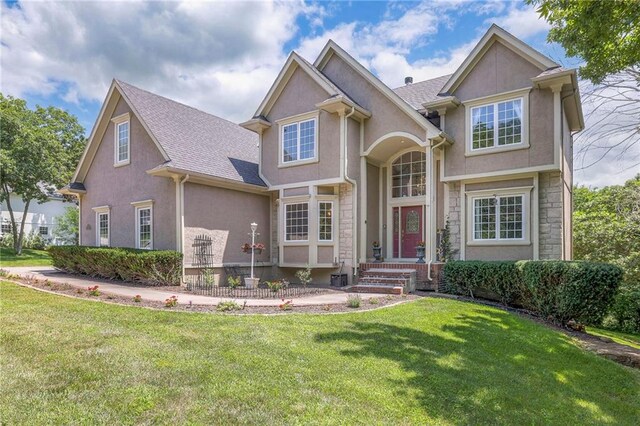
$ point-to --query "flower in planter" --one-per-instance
(247, 247)
(420, 244)
(375, 244)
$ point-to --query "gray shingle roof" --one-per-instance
(196, 141)
(416, 94)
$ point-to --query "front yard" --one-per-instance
(432, 361)
(27, 258)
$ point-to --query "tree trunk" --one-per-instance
(14, 227)
(17, 243)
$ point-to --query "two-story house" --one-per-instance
(334, 160)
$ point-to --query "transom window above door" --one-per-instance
(298, 141)
(408, 175)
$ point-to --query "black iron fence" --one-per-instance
(200, 284)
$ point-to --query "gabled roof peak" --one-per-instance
(493, 34)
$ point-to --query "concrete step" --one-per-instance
(377, 288)
(384, 280)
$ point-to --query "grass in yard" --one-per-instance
(628, 339)
(433, 361)
(27, 258)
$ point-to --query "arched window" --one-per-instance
(408, 175)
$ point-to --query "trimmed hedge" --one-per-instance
(557, 290)
(152, 267)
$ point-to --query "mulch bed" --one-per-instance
(83, 293)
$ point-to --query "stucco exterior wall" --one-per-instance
(118, 187)
(501, 70)
(300, 95)
(225, 216)
(551, 215)
(385, 116)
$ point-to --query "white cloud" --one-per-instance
(522, 23)
(215, 56)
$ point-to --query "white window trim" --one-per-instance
(495, 100)
(142, 205)
(99, 211)
(117, 121)
(300, 118)
(525, 192)
(284, 221)
(333, 223)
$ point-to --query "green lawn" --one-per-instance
(27, 258)
(628, 339)
(433, 361)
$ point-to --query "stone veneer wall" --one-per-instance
(345, 232)
(454, 217)
(550, 205)
(275, 229)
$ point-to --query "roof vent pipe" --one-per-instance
(408, 80)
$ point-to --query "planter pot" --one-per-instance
(251, 282)
(377, 253)
(420, 252)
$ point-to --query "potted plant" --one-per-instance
(377, 251)
(420, 248)
(251, 282)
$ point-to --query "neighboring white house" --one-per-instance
(41, 218)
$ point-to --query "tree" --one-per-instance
(38, 154)
(67, 225)
(606, 35)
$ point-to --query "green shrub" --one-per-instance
(557, 290)
(229, 305)
(625, 310)
(354, 301)
(500, 278)
(152, 267)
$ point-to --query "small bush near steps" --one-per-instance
(354, 301)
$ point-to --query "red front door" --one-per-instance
(407, 231)
(411, 230)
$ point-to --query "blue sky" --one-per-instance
(222, 57)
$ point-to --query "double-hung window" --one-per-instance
(122, 142)
(144, 228)
(498, 124)
(325, 221)
(498, 218)
(144, 224)
(103, 231)
(298, 141)
(296, 218)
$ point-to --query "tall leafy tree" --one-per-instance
(67, 225)
(38, 154)
(606, 35)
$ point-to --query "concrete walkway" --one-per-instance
(149, 293)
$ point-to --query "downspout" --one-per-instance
(431, 259)
(182, 182)
(354, 214)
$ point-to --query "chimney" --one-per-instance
(408, 80)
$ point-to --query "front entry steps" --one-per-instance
(386, 281)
